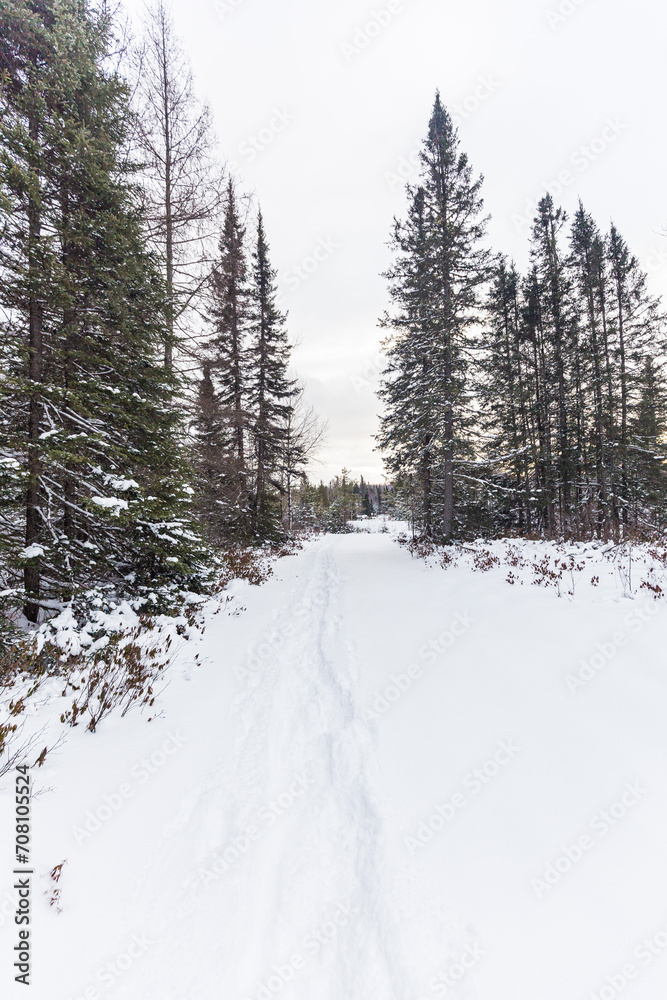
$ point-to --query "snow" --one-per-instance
(371, 778)
(122, 483)
(114, 503)
(32, 551)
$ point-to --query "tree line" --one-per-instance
(331, 507)
(147, 411)
(528, 403)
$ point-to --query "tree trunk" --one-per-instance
(168, 214)
(33, 520)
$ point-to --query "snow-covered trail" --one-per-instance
(376, 784)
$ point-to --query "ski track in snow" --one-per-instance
(302, 722)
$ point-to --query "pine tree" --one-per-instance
(557, 327)
(408, 425)
(217, 487)
(647, 455)
(27, 43)
(637, 327)
(504, 401)
(587, 262)
(227, 355)
(436, 288)
(99, 451)
(271, 392)
(458, 267)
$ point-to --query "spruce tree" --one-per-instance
(458, 266)
(227, 356)
(504, 400)
(436, 287)
(648, 457)
(552, 286)
(271, 392)
(105, 496)
(587, 262)
(215, 493)
(408, 425)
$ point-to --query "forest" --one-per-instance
(148, 416)
(150, 419)
(519, 404)
(323, 678)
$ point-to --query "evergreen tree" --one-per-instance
(504, 401)
(227, 355)
(606, 358)
(215, 503)
(436, 288)
(408, 425)
(99, 450)
(638, 331)
(271, 392)
(557, 322)
(647, 454)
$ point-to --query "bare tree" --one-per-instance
(182, 181)
(304, 433)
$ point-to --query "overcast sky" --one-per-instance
(321, 104)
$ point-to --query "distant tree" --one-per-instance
(304, 433)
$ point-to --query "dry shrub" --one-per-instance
(483, 560)
(121, 674)
(245, 564)
(54, 892)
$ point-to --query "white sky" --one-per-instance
(558, 76)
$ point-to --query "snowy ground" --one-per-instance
(382, 780)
